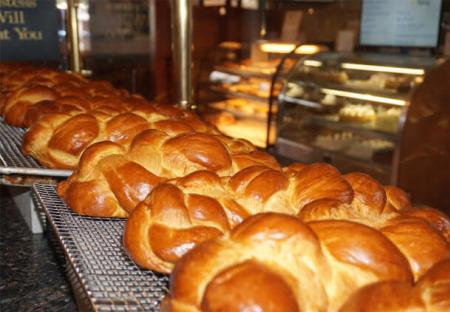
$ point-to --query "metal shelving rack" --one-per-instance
(13, 161)
(102, 275)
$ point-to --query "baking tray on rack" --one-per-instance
(15, 166)
(102, 275)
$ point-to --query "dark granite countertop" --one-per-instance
(32, 275)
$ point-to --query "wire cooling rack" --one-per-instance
(102, 275)
(13, 161)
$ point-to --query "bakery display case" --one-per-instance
(237, 85)
(350, 110)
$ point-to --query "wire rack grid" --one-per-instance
(102, 273)
(10, 147)
(13, 161)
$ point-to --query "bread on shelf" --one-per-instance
(177, 216)
(58, 140)
(430, 293)
(274, 262)
(111, 187)
(174, 207)
(25, 87)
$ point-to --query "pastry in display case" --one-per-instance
(236, 88)
(350, 109)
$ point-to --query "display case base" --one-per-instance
(32, 216)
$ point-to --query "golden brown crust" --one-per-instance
(319, 181)
(397, 199)
(17, 103)
(435, 217)
(171, 222)
(385, 296)
(310, 268)
(222, 295)
(422, 245)
(371, 251)
(431, 293)
(367, 191)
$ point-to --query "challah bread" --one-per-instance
(373, 205)
(170, 149)
(25, 87)
(274, 262)
(317, 192)
(176, 216)
(17, 103)
(20, 101)
(422, 244)
(57, 140)
(73, 105)
(251, 190)
(419, 236)
(431, 293)
(29, 76)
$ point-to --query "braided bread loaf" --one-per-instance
(274, 262)
(313, 192)
(27, 87)
(58, 140)
(112, 179)
(19, 102)
(251, 190)
(430, 293)
(29, 77)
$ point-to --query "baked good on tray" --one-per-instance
(182, 208)
(275, 262)
(24, 87)
(112, 179)
(311, 192)
(58, 140)
(430, 293)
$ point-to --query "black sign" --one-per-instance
(28, 30)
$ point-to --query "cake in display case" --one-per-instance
(351, 110)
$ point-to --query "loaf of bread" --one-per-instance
(28, 77)
(26, 87)
(112, 179)
(58, 140)
(275, 262)
(430, 293)
(312, 192)
(177, 216)
(251, 190)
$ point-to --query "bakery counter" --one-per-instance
(32, 276)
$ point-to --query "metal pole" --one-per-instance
(182, 50)
(262, 12)
(75, 60)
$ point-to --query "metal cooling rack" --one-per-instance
(13, 161)
(102, 275)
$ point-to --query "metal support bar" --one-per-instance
(262, 13)
(36, 171)
(75, 60)
(182, 50)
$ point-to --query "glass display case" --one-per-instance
(237, 84)
(350, 110)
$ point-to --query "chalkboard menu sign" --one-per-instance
(28, 30)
